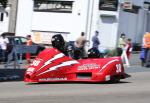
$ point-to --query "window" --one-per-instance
(1, 16)
(146, 5)
(109, 5)
(23, 40)
(135, 9)
(16, 41)
(53, 6)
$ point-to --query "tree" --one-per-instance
(4, 3)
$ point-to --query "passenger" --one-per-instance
(94, 53)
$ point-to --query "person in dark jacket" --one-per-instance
(95, 40)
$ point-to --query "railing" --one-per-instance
(16, 55)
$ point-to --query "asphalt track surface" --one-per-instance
(135, 89)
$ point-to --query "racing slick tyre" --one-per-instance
(115, 79)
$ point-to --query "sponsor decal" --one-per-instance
(50, 79)
(89, 66)
(67, 63)
(110, 62)
(50, 60)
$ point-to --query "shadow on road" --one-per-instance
(11, 75)
(121, 82)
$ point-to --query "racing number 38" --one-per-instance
(118, 68)
(35, 63)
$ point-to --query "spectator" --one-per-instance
(3, 45)
(146, 43)
(95, 40)
(142, 56)
(128, 48)
(121, 44)
(28, 43)
(80, 44)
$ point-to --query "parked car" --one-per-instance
(19, 40)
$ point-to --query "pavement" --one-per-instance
(135, 59)
(135, 64)
(13, 72)
(10, 73)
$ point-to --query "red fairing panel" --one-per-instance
(53, 66)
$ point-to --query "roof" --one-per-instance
(8, 34)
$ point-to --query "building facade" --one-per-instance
(12, 15)
(71, 17)
(4, 18)
(8, 17)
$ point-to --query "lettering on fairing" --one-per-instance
(89, 66)
(50, 79)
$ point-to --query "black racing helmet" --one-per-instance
(58, 41)
(93, 53)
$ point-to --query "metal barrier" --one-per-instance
(16, 54)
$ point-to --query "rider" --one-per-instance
(58, 42)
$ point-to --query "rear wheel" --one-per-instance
(115, 79)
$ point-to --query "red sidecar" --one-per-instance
(53, 66)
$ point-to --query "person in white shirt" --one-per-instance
(3, 45)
